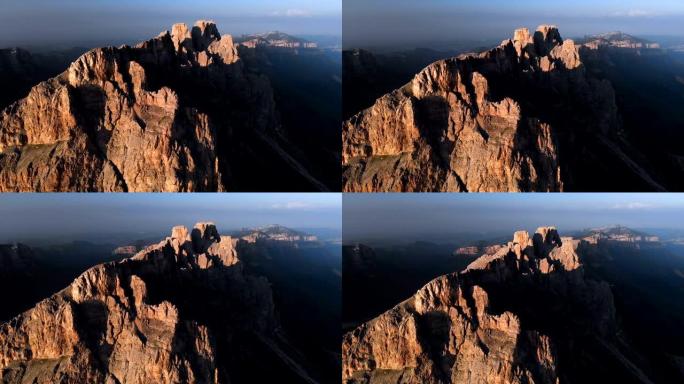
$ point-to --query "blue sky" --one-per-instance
(370, 23)
(416, 215)
(42, 22)
(70, 215)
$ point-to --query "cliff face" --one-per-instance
(174, 113)
(520, 315)
(509, 119)
(179, 311)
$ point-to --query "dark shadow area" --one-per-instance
(307, 92)
(307, 292)
(648, 96)
(369, 75)
(88, 107)
(91, 323)
(432, 330)
(432, 114)
(377, 278)
(20, 70)
(46, 270)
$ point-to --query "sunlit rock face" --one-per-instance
(481, 122)
(517, 315)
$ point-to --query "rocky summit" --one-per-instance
(524, 116)
(179, 112)
(180, 311)
(527, 313)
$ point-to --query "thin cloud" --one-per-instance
(293, 12)
(634, 13)
(633, 205)
(292, 205)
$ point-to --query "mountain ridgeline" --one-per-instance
(537, 113)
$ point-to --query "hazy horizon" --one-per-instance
(415, 217)
(109, 22)
(73, 216)
(436, 23)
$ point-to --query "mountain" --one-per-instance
(531, 312)
(183, 310)
(533, 114)
(179, 112)
(274, 40)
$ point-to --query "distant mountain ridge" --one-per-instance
(274, 232)
(617, 39)
(274, 39)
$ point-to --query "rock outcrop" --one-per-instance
(179, 311)
(509, 119)
(174, 113)
(520, 315)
